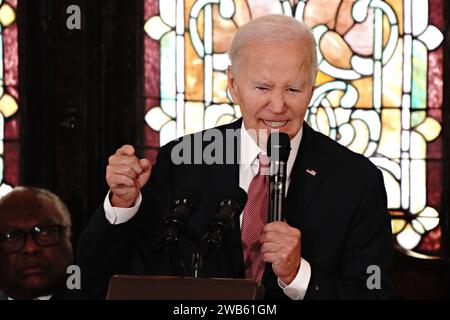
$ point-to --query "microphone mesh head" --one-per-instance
(236, 197)
(278, 146)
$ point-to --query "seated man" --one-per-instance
(336, 225)
(35, 248)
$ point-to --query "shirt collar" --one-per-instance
(250, 150)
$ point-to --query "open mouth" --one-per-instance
(275, 124)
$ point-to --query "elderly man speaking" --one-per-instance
(336, 225)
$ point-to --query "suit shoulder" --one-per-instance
(341, 155)
(200, 134)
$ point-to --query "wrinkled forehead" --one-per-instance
(25, 213)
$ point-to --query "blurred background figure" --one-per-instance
(35, 247)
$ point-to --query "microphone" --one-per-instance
(222, 224)
(278, 149)
(175, 222)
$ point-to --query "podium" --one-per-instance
(128, 287)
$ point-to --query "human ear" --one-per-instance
(232, 85)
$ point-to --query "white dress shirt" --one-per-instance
(37, 298)
(248, 168)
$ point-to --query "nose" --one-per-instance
(30, 246)
(277, 101)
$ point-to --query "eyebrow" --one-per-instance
(261, 83)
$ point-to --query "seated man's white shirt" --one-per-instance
(248, 168)
(38, 298)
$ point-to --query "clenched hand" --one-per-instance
(126, 175)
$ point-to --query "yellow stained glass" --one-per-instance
(364, 87)
(322, 121)
(429, 129)
(8, 106)
(242, 13)
(194, 73)
(335, 50)
(223, 30)
(220, 87)
(392, 85)
(334, 97)
(7, 15)
(323, 78)
(195, 115)
(386, 30)
(397, 6)
(397, 225)
(389, 144)
(361, 140)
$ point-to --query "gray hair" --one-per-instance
(274, 28)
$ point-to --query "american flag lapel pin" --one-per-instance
(311, 172)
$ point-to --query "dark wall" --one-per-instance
(77, 89)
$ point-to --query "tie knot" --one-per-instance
(264, 161)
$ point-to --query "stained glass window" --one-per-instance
(9, 97)
(378, 91)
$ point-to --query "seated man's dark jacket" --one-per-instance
(340, 211)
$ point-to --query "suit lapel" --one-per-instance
(307, 174)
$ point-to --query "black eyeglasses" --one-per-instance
(44, 236)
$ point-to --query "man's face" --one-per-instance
(34, 270)
(272, 84)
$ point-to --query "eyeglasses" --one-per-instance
(44, 236)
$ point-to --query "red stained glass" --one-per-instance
(13, 3)
(434, 184)
(431, 242)
(152, 65)
(11, 146)
(435, 76)
(436, 13)
(11, 158)
(435, 147)
(151, 102)
(151, 154)
(11, 58)
(12, 129)
(152, 71)
(14, 92)
(151, 137)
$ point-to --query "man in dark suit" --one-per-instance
(336, 224)
(35, 247)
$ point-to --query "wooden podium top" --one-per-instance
(127, 287)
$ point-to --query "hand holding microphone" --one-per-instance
(280, 243)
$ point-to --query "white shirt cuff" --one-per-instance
(296, 290)
(117, 215)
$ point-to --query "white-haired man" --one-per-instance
(336, 224)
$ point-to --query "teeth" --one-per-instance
(275, 124)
